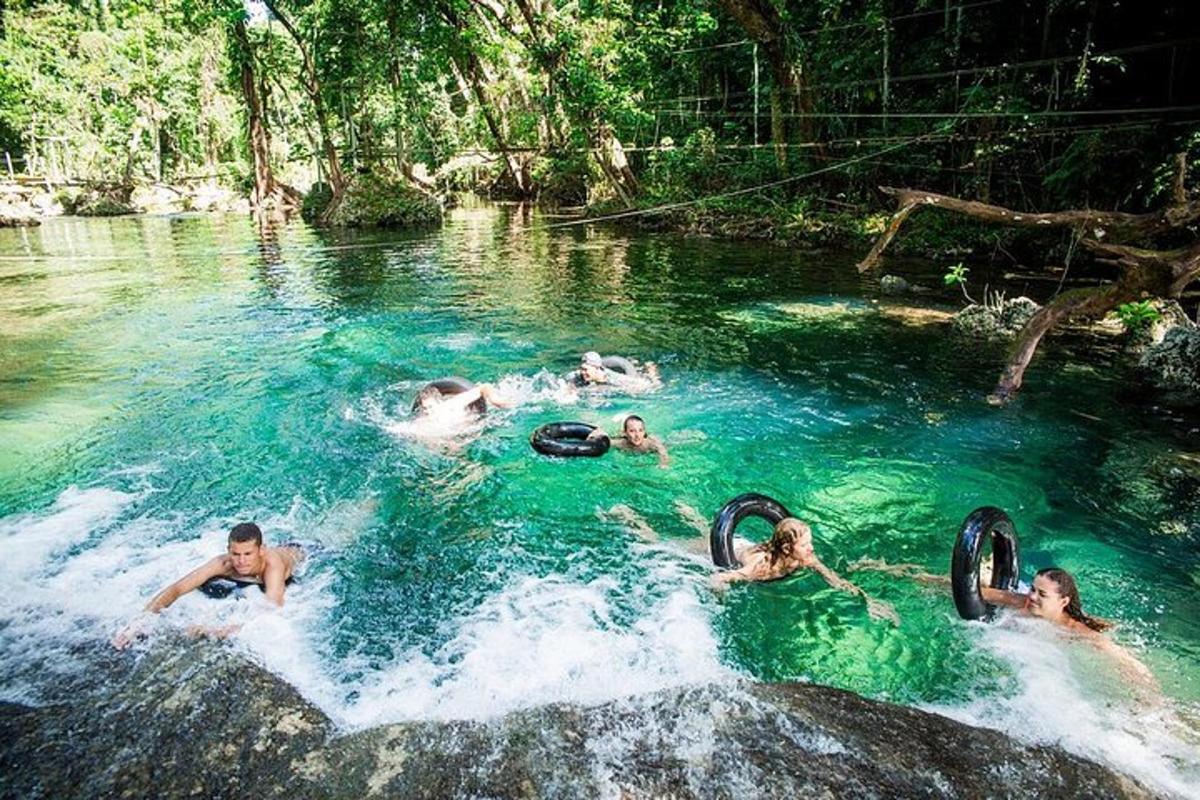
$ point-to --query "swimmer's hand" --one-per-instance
(212, 632)
(135, 630)
(880, 610)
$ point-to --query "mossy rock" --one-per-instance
(93, 203)
(1173, 365)
(316, 201)
(995, 322)
(376, 202)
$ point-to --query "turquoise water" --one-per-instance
(166, 377)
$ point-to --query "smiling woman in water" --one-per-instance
(1054, 597)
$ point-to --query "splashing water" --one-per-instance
(154, 398)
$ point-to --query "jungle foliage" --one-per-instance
(1032, 104)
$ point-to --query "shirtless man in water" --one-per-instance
(246, 561)
(430, 402)
(634, 439)
(789, 549)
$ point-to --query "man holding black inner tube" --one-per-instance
(247, 561)
(634, 439)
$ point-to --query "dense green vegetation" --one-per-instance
(1035, 104)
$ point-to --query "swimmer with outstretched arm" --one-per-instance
(634, 439)
(1053, 597)
(431, 402)
(789, 549)
(246, 561)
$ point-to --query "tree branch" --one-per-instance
(1089, 302)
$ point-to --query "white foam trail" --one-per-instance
(391, 413)
(30, 541)
(1062, 700)
(540, 640)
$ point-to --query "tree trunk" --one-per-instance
(269, 196)
(312, 86)
(1095, 224)
(790, 93)
(475, 75)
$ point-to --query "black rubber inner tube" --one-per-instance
(619, 364)
(980, 525)
(720, 538)
(452, 386)
(220, 588)
(568, 439)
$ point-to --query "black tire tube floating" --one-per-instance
(751, 504)
(621, 365)
(451, 386)
(981, 524)
(566, 439)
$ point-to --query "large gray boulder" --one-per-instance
(1172, 365)
(194, 720)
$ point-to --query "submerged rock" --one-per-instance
(995, 321)
(196, 720)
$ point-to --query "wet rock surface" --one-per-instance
(996, 321)
(195, 720)
(1172, 365)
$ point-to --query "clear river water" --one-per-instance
(165, 377)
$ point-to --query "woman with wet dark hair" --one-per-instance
(1053, 597)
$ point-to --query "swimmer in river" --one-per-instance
(789, 549)
(1053, 597)
(634, 439)
(592, 372)
(246, 561)
(432, 403)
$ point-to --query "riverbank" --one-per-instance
(194, 719)
(26, 204)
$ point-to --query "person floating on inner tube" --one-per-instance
(613, 371)
(1053, 597)
(789, 549)
(634, 439)
(247, 561)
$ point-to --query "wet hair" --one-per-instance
(428, 393)
(632, 418)
(1074, 608)
(782, 543)
(245, 532)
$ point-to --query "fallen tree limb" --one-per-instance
(1095, 224)
(1143, 272)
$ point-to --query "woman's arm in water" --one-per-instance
(660, 449)
(915, 572)
(999, 597)
(877, 609)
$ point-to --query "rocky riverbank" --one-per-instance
(27, 204)
(193, 719)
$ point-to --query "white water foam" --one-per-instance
(80, 569)
(540, 640)
(1067, 696)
